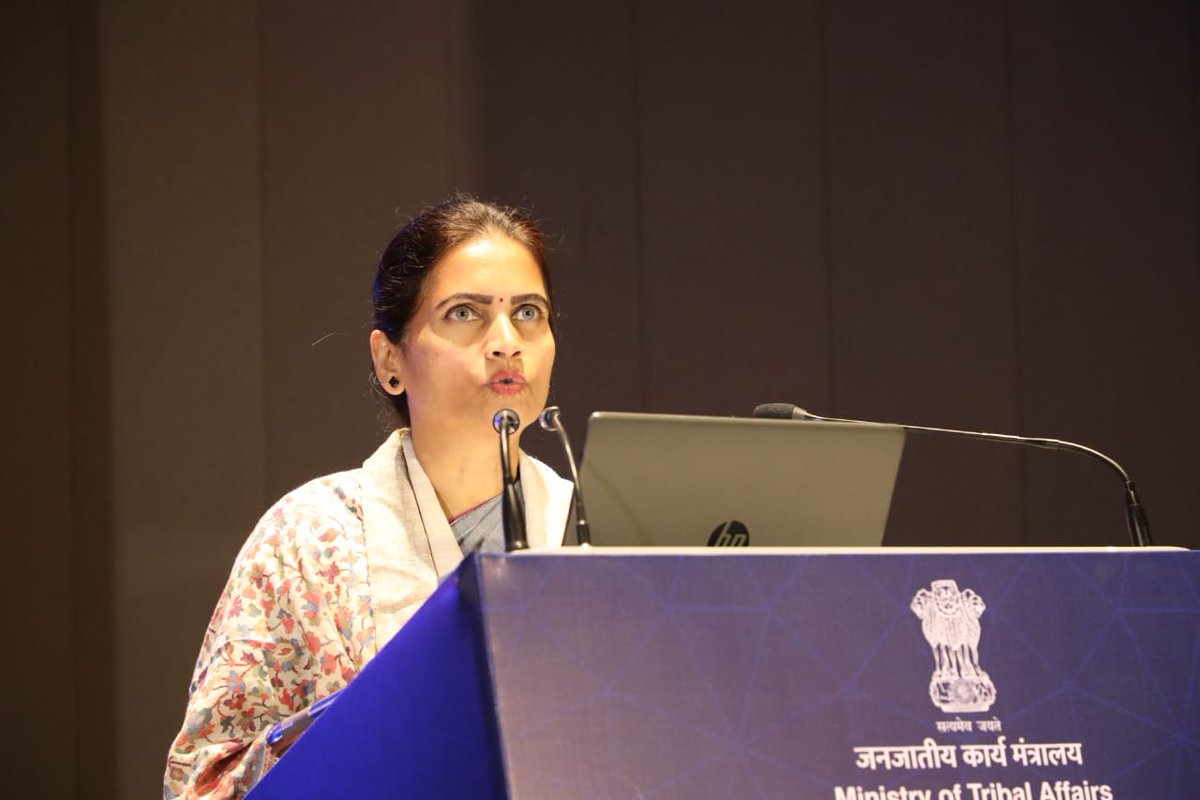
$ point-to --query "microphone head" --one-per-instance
(506, 421)
(549, 418)
(780, 411)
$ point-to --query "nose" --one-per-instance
(503, 341)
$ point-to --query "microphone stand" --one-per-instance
(551, 420)
(506, 422)
(1135, 514)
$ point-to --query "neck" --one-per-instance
(464, 471)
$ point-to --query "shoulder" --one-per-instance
(314, 520)
(335, 495)
(308, 548)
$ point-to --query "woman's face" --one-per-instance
(478, 341)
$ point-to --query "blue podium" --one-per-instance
(842, 675)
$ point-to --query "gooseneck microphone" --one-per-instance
(551, 420)
(506, 422)
(1135, 515)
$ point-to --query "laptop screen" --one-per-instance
(674, 480)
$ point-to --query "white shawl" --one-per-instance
(409, 544)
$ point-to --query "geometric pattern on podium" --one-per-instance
(756, 675)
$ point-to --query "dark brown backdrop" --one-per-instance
(967, 214)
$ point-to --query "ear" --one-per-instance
(388, 363)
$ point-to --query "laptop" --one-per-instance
(664, 480)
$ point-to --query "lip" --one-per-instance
(507, 382)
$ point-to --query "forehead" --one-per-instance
(493, 265)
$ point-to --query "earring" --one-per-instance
(393, 381)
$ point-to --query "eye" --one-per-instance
(463, 313)
(529, 313)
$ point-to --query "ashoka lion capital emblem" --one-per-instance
(950, 622)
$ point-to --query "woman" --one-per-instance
(462, 329)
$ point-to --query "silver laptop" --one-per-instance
(669, 480)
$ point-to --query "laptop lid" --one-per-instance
(673, 480)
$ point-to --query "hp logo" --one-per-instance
(730, 534)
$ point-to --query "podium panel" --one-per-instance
(848, 675)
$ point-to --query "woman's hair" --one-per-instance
(409, 258)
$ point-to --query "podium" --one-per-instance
(744, 673)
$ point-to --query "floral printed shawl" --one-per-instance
(328, 576)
